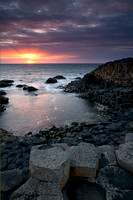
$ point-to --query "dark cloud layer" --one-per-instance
(92, 30)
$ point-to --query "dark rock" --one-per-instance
(25, 87)
(115, 178)
(2, 92)
(120, 195)
(6, 83)
(30, 88)
(10, 179)
(59, 77)
(20, 86)
(51, 80)
(74, 123)
(4, 100)
(78, 78)
(77, 189)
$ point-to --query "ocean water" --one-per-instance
(49, 105)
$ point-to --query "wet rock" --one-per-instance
(59, 77)
(51, 80)
(35, 189)
(6, 83)
(10, 179)
(2, 92)
(30, 88)
(4, 100)
(84, 160)
(50, 163)
(20, 86)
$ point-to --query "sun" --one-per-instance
(30, 61)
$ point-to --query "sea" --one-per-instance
(49, 105)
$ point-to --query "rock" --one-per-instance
(124, 157)
(127, 145)
(59, 77)
(20, 86)
(6, 83)
(84, 160)
(29, 88)
(78, 78)
(51, 80)
(2, 108)
(77, 189)
(37, 190)
(74, 123)
(129, 137)
(115, 178)
(4, 100)
(107, 156)
(113, 195)
(2, 92)
(10, 179)
(49, 163)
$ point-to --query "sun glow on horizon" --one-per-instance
(32, 56)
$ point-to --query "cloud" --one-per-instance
(79, 27)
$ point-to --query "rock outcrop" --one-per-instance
(6, 83)
(110, 84)
(51, 80)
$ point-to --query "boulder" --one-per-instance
(2, 92)
(51, 80)
(129, 137)
(115, 178)
(10, 179)
(37, 190)
(50, 164)
(84, 160)
(6, 83)
(107, 156)
(29, 88)
(59, 77)
(4, 100)
(124, 157)
(20, 86)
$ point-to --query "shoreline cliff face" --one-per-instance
(110, 84)
(119, 72)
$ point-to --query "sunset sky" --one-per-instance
(65, 31)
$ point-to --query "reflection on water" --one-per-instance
(31, 113)
(28, 112)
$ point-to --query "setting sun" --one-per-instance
(30, 61)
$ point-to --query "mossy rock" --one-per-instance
(90, 125)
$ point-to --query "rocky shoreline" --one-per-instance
(111, 139)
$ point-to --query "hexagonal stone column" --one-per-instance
(124, 156)
(50, 164)
(84, 160)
